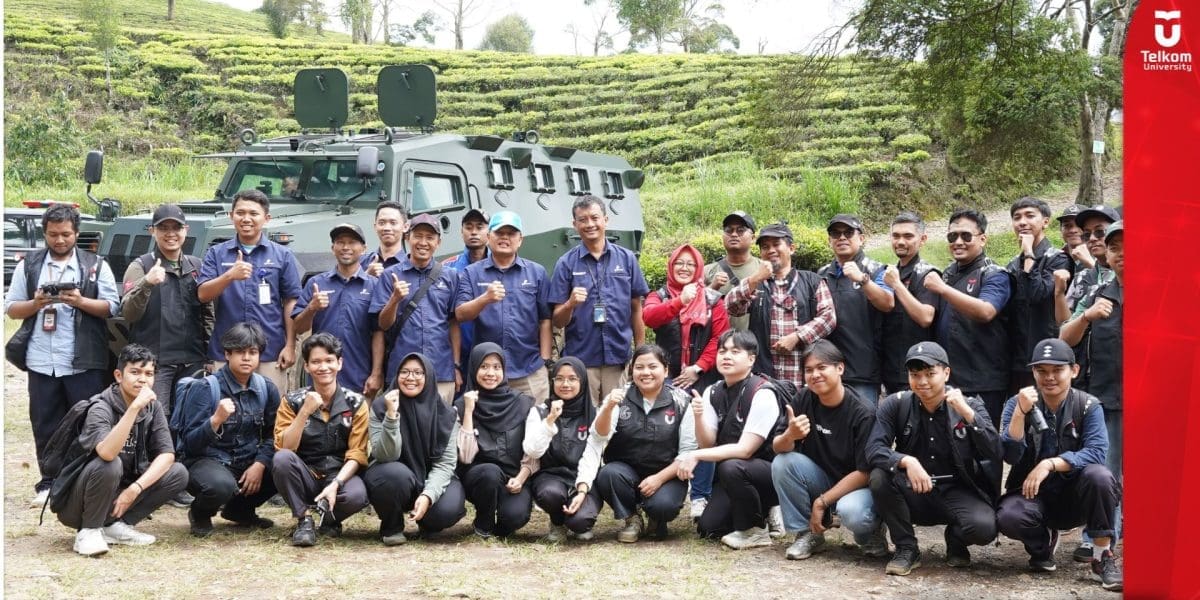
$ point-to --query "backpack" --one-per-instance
(63, 458)
(184, 387)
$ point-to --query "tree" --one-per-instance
(649, 20)
(281, 14)
(170, 10)
(357, 16)
(697, 29)
(511, 33)
(600, 36)
(693, 25)
(102, 19)
(425, 27)
(460, 12)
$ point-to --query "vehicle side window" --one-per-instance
(14, 235)
(434, 192)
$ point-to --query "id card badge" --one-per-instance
(264, 293)
(49, 319)
(598, 315)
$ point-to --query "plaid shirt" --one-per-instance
(784, 322)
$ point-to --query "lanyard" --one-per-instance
(601, 266)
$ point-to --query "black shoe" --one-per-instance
(1082, 554)
(482, 533)
(251, 520)
(305, 534)
(201, 525)
(904, 561)
(1108, 571)
(957, 553)
(330, 528)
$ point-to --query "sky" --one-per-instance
(780, 25)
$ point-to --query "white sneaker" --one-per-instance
(754, 537)
(121, 532)
(90, 542)
(39, 499)
(775, 522)
(698, 506)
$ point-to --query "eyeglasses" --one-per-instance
(966, 236)
(1097, 233)
(736, 230)
(841, 233)
(566, 380)
(411, 374)
(679, 264)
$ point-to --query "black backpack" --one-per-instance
(63, 458)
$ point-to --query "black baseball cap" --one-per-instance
(928, 353)
(775, 230)
(1052, 351)
(1070, 212)
(741, 216)
(425, 219)
(349, 228)
(476, 213)
(1116, 227)
(845, 219)
(168, 212)
(1099, 210)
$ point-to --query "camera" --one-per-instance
(56, 289)
(323, 512)
(1038, 420)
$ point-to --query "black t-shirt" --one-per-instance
(933, 441)
(837, 438)
(148, 437)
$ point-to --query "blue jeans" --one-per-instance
(866, 391)
(702, 479)
(798, 481)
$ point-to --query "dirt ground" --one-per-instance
(39, 562)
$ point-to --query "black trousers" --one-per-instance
(993, 401)
(298, 487)
(165, 378)
(216, 485)
(90, 501)
(393, 489)
(741, 497)
(496, 510)
(969, 518)
(552, 492)
(49, 400)
(617, 484)
(1089, 498)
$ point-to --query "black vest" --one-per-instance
(859, 331)
(803, 286)
(174, 309)
(900, 332)
(323, 444)
(670, 338)
(729, 430)
(1068, 428)
(979, 351)
(91, 333)
(982, 475)
(500, 448)
(1104, 351)
(1028, 321)
(646, 442)
(567, 446)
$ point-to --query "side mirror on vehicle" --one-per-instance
(368, 161)
(93, 168)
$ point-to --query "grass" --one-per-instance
(137, 182)
(196, 16)
(1001, 247)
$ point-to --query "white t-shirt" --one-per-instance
(764, 412)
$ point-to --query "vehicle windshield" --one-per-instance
(301, 179)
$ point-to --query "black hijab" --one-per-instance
(581, 405)
(500, 409)
(425, 421)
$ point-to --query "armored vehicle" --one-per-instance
(328, 174)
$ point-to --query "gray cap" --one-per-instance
(775, 230)
(845, 219)
(929, 353)
(1052, 351)
(168, 212)
(1099, 210)
(1113, 229)
(349, 228)
(425, 219)
(476, 213)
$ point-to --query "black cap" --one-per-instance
(1099, 210)
(1070, 212)
(427, 220)
(845, 219)
(476, 213)
(775, 230)
(168, 212)
(929, 353)
(349, 228)
(741, 216)
(1052, 351)
(1113, 229)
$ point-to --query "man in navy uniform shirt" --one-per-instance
(390, 225)
(505, 296)
(338, 302)
(597, 292)
(475, 248)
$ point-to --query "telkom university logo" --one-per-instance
(1162, 20)
(1168, 31)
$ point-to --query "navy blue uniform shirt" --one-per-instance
(615, 279)
(428, 329)
(513, 322)
(274, 264)
(347, 318)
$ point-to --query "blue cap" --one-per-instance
(506, 218)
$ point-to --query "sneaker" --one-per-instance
(90, 542)
(904, 561)
(557, 534)
(182, 500)
(634, 526)
(1110, 574)
(957, 553)
(775, 522)
(1044, 564)
(394, 539)
(877, 546)
(276, 500)
(39, 500)
(1083, 553)
(305, 534)
(806, 545)
(121, 532)
(656, 529)
(755, 537)
(251, 520)
(201, 525)
(482, 533)
(698, 506)
(583, 537)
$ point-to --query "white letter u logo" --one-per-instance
(1159, 36)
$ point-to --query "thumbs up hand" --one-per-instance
(797, 426)
(241, 270)
(157, 274)
(376, 267)
(320, 300)
(399, 288)
(697, 405)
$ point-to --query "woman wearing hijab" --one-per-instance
(687, 318)
(414, 450)
(489, 445)
(556, 433)
(640, 430)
